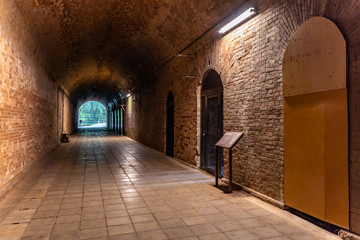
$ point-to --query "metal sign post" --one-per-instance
(229, 140)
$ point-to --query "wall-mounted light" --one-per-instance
(123, 106)
(181, 55)
(129, 94)
(240, 19)
(191, 76)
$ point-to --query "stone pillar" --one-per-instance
(111, 120)
(117, 121)
(121, 121)
(108, 119)
(118, 118)
(113, 117)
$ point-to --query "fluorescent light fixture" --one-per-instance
(244, 16)
(191, 76)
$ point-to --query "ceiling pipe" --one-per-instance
(199, 37)
(190, 44)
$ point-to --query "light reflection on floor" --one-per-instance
(100, 186)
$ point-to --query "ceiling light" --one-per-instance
(241, 18)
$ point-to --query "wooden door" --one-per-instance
(211, 122)
(170, 125)
(316, 123)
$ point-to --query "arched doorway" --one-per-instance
(92, 114)
(211, 121)
(170, 125)
(315, 122)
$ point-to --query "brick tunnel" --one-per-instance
(174, 77)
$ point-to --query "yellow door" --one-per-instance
(315, 122)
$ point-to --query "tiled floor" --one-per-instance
(111, 187)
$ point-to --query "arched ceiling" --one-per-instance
(97, 47)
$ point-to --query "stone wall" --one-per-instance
(27, 99)
(249, 62)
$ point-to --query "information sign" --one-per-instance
(229, 139)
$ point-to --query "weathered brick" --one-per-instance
(249, 61)
(28, 107)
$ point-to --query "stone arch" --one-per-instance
(89, 100)
(96, 100)
(211, 120)
(211, 79)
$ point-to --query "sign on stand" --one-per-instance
(229, 140)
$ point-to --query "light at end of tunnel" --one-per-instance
(241, 18)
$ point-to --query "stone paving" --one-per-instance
(100, 186)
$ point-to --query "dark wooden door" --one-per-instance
(211, 121)
(170, 126)
(212, 130)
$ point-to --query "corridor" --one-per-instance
(102, 186)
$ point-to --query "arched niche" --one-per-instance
(211, 121)
(315, 122)
(170, 111)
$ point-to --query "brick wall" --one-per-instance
(132, 118)
(65, 121)
(68, 115)
(145, 118)
(28, 108)
(249, 61)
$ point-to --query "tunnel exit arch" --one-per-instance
(315, 122)
(211, 121)
(100, 121)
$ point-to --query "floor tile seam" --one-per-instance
(102, 200)
(36, 181)
(183, 165)
(58, 171)
(42, 200)
(120, 196)
(152, 213)
(293, 219)
(67, 186)
(163, 229)
(127, 174)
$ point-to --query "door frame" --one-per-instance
(205, 95)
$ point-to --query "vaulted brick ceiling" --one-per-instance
(97, 47)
